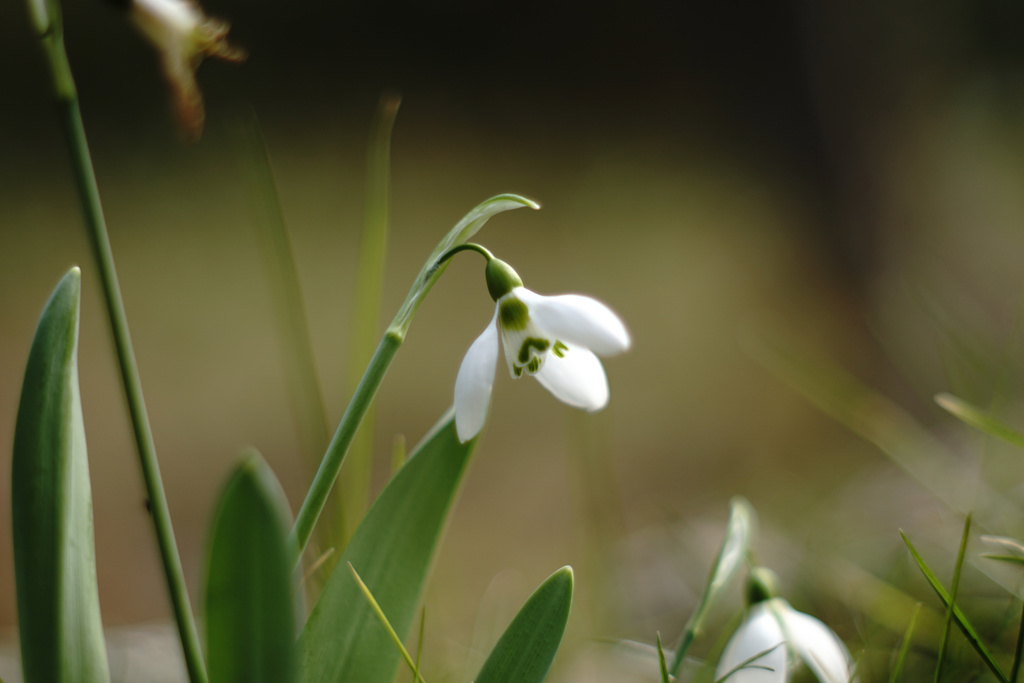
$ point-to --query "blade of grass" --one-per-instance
(952, 600)
(661, 660)
(54, 557)
(731, 554)
(901, 656)
(979, 419)
(413, 666)
(49, 24)
(525, 651)
(965, 626)
(393, 548)
(250, 613)
(305, 392)
(356, 482)
(1015, 669)
(880, 421)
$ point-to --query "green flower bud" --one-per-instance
(501, 279)
(762, 584)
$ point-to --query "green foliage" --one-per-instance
(391, 550)
(662, 668)
(54, 558)
(250, 615)
(731, 554)
(979, 419)
(525, 651)
(961, 620)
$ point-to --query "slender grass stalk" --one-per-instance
(48, 22)
(952, 597)
(308, 514)
(661, 661)
(901, 656)
(1017, 650)
(308, 408)
(413, 666)
(356, 483)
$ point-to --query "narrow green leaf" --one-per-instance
(979, 419)
(952, 599)
(250, 613)
(392, 549)
(901, 657)
(661, 661)
(525, 651)
(383, 619)
(355, 483)
(965, 626)
(877, 419)
(731, 554)
(54, 557)
(304, 390)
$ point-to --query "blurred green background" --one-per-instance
(852, 172)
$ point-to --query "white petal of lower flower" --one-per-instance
(577, 378)
(474, 381)
(818, 647)
(579, 320)
(759, 634)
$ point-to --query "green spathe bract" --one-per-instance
(54, 557)
(250, 614)
(526, 649)
(392, 551)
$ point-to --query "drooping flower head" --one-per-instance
(775, 639)
(183, 36)
(556, 339)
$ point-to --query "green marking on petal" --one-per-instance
(517, 370)
(514, 314)
(559, 349)
(532, 343)
(534, 365)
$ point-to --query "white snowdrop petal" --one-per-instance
(817, 645)
(474, 381)
(578, 320)
(759, 633)
(577, 378)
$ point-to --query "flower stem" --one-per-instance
(67, 99)
(316, 497)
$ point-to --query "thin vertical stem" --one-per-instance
(316, 497)
(93, 213)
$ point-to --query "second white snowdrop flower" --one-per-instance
(774, 640)
(556, 339)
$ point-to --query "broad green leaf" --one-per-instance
(731, 555)
(250, 614)
(54, 558)
(979, 419)
(525, 651)
(965, 626)
(391, 550)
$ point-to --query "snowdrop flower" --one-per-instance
(183, 36)
(553, 338)
(775, 639)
